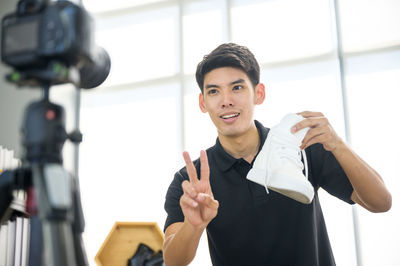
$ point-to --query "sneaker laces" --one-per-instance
(288, 148)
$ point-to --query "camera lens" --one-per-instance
(96, 72)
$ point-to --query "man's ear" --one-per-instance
(259, 93)
(202, 104)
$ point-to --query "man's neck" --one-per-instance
(244, 146)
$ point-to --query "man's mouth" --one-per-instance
(230, 116)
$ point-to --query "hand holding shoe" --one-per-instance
(320, 131)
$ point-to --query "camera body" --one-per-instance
(60, 31)
(39, 33)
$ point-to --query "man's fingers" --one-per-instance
(310, 122)
(317, 139)
(208, 200)
(188, 201)
(312, 133)
(202, 198)
(190, 167)
(204, 168)
(307, 114)
(189, 189)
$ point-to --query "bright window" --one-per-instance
(374, 112)
(283, 30)
(141, 46)
(128, 158)
(106, 6)
(202, 31)
(369, 24)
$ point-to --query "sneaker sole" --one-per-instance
(293, 187)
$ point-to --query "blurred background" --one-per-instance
(343, 62)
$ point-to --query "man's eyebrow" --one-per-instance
(237, 81)
(209, 86)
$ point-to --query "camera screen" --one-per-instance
(21, 37)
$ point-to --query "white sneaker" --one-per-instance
(278, 165)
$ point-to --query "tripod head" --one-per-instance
(44, 133)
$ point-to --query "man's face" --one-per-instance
(229, 97)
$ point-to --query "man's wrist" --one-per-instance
(194, 228)
(340, 148)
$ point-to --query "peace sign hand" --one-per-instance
(197, 202)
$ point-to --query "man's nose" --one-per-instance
(227, 100)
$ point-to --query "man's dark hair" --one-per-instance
(229, 55)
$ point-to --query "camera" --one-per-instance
(57, 38)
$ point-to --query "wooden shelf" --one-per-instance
(124, 238)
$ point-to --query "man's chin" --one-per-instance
(232, 131)
(229, 132)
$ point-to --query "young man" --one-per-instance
(244, 224)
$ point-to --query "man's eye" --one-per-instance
(237, 87)
(212, 91)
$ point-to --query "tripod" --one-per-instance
(53, 197)
(49, 43)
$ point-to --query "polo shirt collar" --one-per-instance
(225, 161)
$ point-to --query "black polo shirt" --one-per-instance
(255, 228)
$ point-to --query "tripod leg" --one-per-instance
(55, 210)
(35, 242)
(58, 243)
(78, 226)
(80, 252)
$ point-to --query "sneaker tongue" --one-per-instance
(287, 123)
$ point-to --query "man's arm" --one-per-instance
(369, 188)
(180, 244)
(199, 208)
